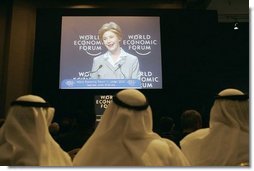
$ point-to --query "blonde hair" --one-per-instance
(111, 26)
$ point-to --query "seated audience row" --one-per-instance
(24, 137)
(226, 141)
(125, 136)
(191, 120)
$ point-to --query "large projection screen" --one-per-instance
(80, 44)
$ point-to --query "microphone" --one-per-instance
(96, 69)
(120, 67)
(91, 72)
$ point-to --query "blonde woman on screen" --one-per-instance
(115, 63)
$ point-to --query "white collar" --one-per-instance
(108, 57)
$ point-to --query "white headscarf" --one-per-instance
(124, 137)
(25, 139)
(226, 141)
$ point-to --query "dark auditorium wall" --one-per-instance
(18, 20)
(200, 57)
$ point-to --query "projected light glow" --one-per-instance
(80, 45)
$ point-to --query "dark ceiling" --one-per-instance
(228, 10)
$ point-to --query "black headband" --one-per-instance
(122, 104)
(233, 97)
(30, 104)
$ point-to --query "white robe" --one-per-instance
(124, 137)
(25, 139)
(226, 141)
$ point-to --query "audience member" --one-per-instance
(73, 152)
(226, 141)
(74, 137)
(166, 129)
(24, 137)
(124, 137)
(54, 129)
(191, 121)
(66, 123)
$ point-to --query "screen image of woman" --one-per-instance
(115, 63)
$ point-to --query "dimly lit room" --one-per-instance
(110, 83)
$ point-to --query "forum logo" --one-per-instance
(141, 44)
(90, 44)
